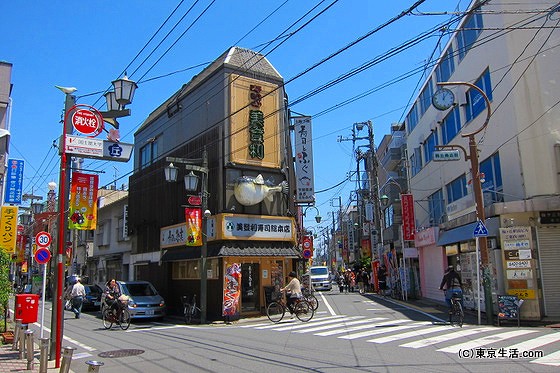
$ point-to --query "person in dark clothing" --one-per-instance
(382, 279)
(452, 284)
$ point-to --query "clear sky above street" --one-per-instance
(344, 62)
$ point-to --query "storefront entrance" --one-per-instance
(250, 274)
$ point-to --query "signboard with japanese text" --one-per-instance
(193, 219)
(174, 235)
(305, 190)
(14, 181)
(232, 290)
(408, 225)
(83, 146)
(8, 228)
(253, 227)
(82, 213)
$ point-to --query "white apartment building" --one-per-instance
(511, 51)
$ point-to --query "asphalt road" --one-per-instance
(349, 333)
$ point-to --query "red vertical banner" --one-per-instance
(408, 225)
(193, 219)
(232, 290)
(82, 213)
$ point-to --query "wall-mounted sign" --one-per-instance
(516, 245)
(446, 155)
(518, 264)
(305, 190)
(253, 227)
(522, 293)
(14, 181)
(408, 225)
(8, 228)
(85, 119)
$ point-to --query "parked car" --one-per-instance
(92, 300)
(144, 300)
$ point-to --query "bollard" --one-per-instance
(22, 329)
(93, 366)
(44, 359)
(16, 334)
(30, 352)
(66, 359)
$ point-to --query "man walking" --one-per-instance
(78, 293)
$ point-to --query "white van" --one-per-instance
(320, 278)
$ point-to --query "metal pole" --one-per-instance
(57, 321)
(478, 279)
(17, 331)
(66, 359)
(22, 330)
(29, 347)
(204, 248)
(44, 358)
(44, 288)
(93, 366)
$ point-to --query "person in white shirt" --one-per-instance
(78, 293)
(293, 290)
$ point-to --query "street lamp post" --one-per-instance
(472, 155)
(123, 94)
(191, 184)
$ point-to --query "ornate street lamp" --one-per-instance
(318, 217)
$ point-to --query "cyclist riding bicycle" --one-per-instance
(112, 294)
(292, 290)
(453, 285)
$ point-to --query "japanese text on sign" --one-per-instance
(304, 160)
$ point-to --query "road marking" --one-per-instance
(445, 337)
(329, 308)
(484, 341)
(291, 321)
(85, 347)
(414, 333)
(316, 322)
(550, 359)
(176, 326)
(382, 330)
(81, 355)
(362, 327)
(341, 324)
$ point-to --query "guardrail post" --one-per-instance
(44, 359)
(66, 359)
(93, 366)
(29, 349)
(22, 329)
(16, 334)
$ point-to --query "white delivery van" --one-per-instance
(320, 278)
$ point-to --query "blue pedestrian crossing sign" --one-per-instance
(480, 230)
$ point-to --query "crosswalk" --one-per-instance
(406, 333)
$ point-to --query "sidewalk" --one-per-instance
(10, 361)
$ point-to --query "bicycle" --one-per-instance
(311, 298)
(301, 308)
(190, 310)
(456, 314)
(119, 315)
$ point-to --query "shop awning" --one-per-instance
(465, 232)
(233, 249)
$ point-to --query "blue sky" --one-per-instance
(89, 44)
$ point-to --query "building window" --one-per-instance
(148, 154)
(425, 98)
(446, 66)
(120, 229)
(103, 232)
(451, 125)
(468, 34)
(475, 102)
(430, 146)
(188, 269)
(436, 207)
(456, 189)
(412, 118)
(416, 161)
(492, 185)
(389, 216)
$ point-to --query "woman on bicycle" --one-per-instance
(453, 285)
(112, 294)
(292, 290)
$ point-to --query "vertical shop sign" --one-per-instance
(408, 226)
(193, 218)
(82, 214)
(14, 182)
(232, 290)
(8, 229)
(256, 123)
(304, 160)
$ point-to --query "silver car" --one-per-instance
(144, 300)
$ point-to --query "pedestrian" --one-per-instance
(340, 282)
(78, 293)
(382, 279)
(451, 283)
(363, 279)
(347, 280)
(352, 281)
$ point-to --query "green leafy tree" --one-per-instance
(5, 284)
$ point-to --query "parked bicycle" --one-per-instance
(456, 314)
(116, 313)
(301, 308)
(311, 298)
(190, 310)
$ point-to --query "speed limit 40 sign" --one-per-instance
(43, 239)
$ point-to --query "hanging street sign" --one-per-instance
(88, 147)
(480, 230)
(194, 200)
(43, 239)
(307, 253)
(86, 119)
(447, 155)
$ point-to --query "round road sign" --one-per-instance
(307, 242)
(43, 239)
(42, 255)
(307, 254)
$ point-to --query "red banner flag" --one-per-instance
(193, 219)
(82, 214)
(408, 225)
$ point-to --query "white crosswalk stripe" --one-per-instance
(485, 341)
(361, 327)
(381, 330)
(550, 359)
(343, 324)
(455, 334)
(414, 333)
(314, 322)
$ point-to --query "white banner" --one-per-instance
(304, 160)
